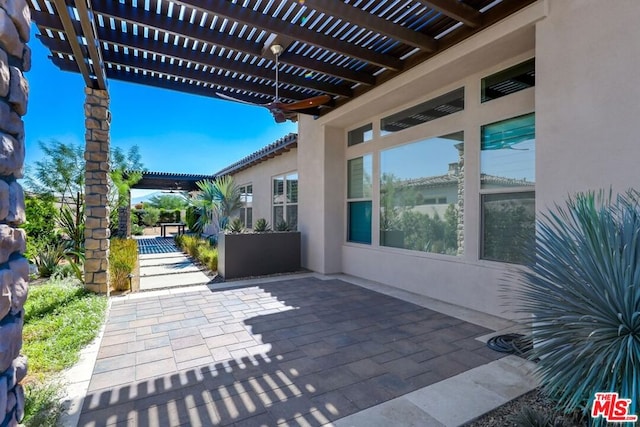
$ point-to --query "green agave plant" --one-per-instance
(583, 288)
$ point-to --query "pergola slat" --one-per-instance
(221, 40)
(333, 47)
(203, 58)
(373, 22)
(247, 16)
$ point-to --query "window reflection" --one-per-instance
(421, 195)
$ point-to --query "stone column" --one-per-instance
(98, 119)
(15, 58)
(124, 219)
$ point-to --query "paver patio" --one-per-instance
(293, 352)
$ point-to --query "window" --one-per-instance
(441, 106)
(285, 200)
(359, 210)
(421, 195)
(507, 182)
(246, 211)
(360, 135)
(511, 80)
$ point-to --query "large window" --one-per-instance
(246, 211)
(285, 201)
(421, 195)
(359, 171)
(507, 165)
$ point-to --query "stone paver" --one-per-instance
(289, 352)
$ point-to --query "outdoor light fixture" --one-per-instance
(276, 49)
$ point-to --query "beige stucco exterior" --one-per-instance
(260, 178)
(586, 105)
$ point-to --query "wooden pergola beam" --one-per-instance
(243, 15)
(456, 10)
(89, 31)
(372, 22)
(138, 16)
(119, 59)
(72, 36)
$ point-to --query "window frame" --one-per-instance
(498, 191)
(362, 199)
(285, 202)
(244, 194)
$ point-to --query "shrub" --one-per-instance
(283, 226)
(48, 259)
(40, 226)
(261, 226)
(199, 249)
(123, 256)
(137, 230)
(583, 290)
(192, 215)
(169, 215)
(151, 216)
(43, 404)
(236, 226)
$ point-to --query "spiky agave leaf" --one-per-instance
(583, 287)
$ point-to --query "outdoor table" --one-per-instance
(164, 225)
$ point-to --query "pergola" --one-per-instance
(224, 49)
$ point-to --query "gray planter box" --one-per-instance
(257, 254)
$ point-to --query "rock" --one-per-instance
(20, 14)
(9, 37)
(19, 402)
(20, 365)
(4, 74)
(19, 92)
(4, 390)
(11, 240)
(10, 340)
(16, 214)
(20, 283)
(11, 155)
(26, 59)
(5, 292)
(10, 122)
(4, 200)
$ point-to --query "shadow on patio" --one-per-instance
(293, 352)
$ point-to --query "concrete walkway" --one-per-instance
(162, 265)
(294, 351)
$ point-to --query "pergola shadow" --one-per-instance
(301, 352)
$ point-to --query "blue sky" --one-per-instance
(175, 132)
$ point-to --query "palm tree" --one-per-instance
(217, 201)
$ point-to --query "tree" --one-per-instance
(126, 171)
(60, 173)
(168, 202)
(217, 201)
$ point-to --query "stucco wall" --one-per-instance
(322, 157)
(587, 97)
(260, 177)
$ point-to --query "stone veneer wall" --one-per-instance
(15, 58)
(124, 221)
(97, 122)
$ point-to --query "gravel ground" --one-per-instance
(503, 415)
